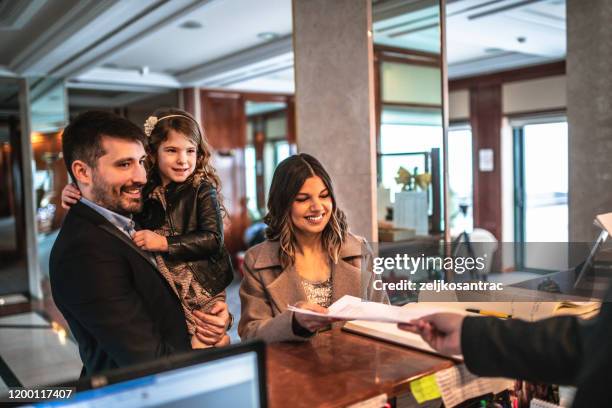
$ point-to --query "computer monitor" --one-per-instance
(232, 376)
(588, 264)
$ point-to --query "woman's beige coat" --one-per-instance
(267, 288)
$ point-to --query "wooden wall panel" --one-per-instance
(486, 121)
(224, 120)
(512, 75)
(291, 136)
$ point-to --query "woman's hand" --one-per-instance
(70, 195)
(150, 241)
(211, 326)
(309, 322)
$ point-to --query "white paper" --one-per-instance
(353, 308)
(485, 160)
(604, 221)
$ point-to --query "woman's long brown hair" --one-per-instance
(288, 179)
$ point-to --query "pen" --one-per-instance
(490, 313)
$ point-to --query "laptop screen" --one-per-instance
(232, 380)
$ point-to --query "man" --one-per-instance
(558, 350)
(118, 306)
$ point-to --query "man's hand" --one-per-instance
(312, 323)
(211, 326)
(150, 241)
(70, 195)
(442, 331)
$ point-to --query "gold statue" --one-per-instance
(409, 181)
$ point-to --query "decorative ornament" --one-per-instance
(149, 125)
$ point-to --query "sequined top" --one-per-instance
(318, 292)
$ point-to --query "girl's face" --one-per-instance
(176, 158)
(312, 207)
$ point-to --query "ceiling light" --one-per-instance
(492, 50)
(267, 36)
(191, 25)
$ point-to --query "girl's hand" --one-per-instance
(150, 241)
(210, 327)
(70, 195)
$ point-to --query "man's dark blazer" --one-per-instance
(558, 350)
(119, 308)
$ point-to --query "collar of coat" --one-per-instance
(268, 256)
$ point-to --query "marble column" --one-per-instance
(589, 111)
(334, 98)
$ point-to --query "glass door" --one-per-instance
(541, 195)
(13, 247)
(541, 199)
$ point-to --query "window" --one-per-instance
(541, 177)
(250, 164)
(460, 179)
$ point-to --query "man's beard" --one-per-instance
(110, 197)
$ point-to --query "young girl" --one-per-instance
(184, 223)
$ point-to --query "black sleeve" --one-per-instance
(96, 288)
(545, 351)
(208, 239)
(594, 378)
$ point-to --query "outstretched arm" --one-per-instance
(544, 351)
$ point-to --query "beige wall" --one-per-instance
(459, 105)
(534, 95)
(517, 97)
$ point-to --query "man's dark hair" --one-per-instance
(82, 138)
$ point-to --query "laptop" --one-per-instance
(233, 376)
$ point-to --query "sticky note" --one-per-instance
(425, 389)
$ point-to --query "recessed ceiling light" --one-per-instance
(267, 36)
(191, 25)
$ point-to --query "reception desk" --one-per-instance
(337, 368)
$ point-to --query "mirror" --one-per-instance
(269, 140)
(409, 112)
(12, 216)
(408, 62)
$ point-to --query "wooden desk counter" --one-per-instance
(337, 368)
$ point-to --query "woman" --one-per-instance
(309, 258)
